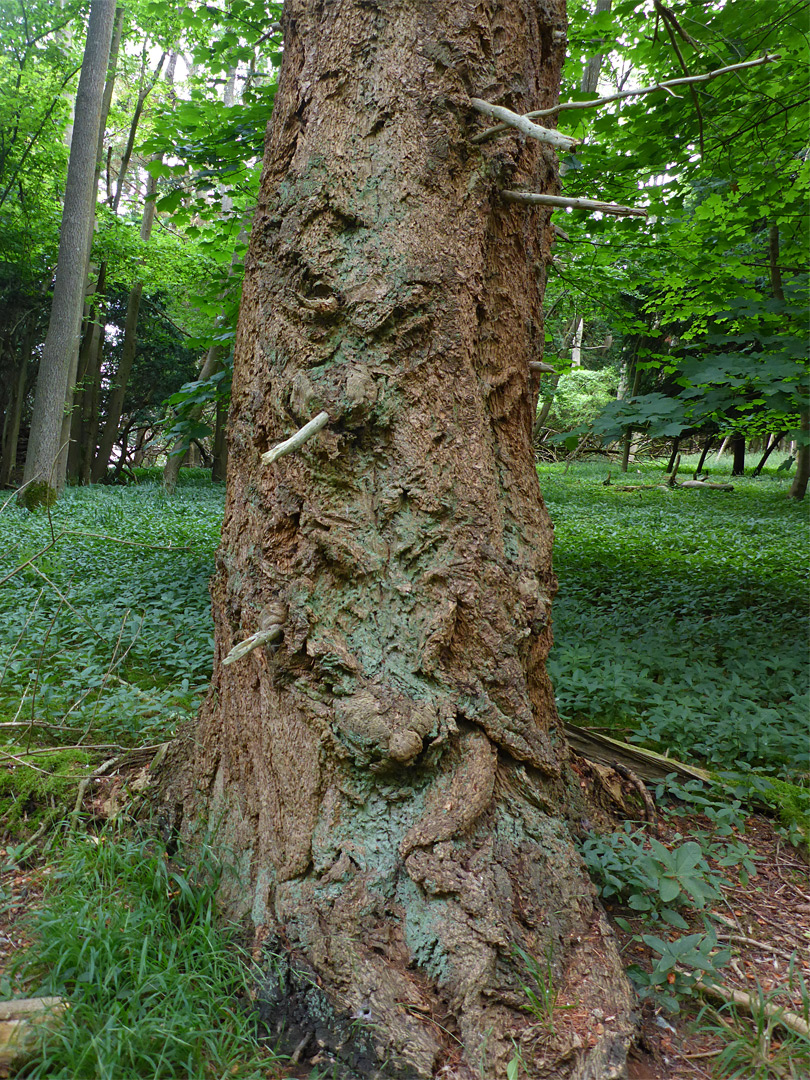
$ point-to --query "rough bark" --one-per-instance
(390, 777)
(57, 369)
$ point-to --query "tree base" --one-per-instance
(451, 959)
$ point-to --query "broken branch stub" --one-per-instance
(531, 198)
(297, 440)
(522, 124)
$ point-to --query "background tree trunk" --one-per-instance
(57, 369)
(391, 778)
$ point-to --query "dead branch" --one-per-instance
(533, 198)
(522, 124)
(297, 440)
(751, 1004)
(598, 103)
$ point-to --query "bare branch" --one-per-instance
(522, 124)
(597, 103)
(261, 637)
(297, 440)
(531, 198)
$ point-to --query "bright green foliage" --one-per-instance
(156, 986)
(649, 877)
(580, 396)
(723, 171)
(681, 618)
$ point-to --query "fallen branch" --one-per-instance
(522, 124)
(790, 1020)
(649, 806)
(705, 484)
(19, 1020)
(297, 440)
(598, 103)
(533, 198)
(645, 763)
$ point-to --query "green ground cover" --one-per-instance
(681, 620)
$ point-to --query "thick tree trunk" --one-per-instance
(390, 776)
(57, 370)
(738, 451)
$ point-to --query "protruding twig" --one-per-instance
(297, 440)
(532, 198)
(261, 637)
(597, 103)
(522, 124)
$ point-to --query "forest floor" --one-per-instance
(678, 628)
(765, 923)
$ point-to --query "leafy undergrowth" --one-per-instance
(681, 621)
(155, 986)
(105, 634)
(680, 624)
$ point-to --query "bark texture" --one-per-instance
(390, 775)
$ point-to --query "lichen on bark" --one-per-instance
(391, 773)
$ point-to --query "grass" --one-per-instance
(155, 986)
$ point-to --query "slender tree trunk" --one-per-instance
(770, 445)
(57, 369)
(704, 452)
(590, 76)
(84, 412)
(798, 488)
(389, 775)
(676, 442)
(13, 412)
(738, 450)
(219, 465)
(116, 401)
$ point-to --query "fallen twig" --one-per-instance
(750, 1003)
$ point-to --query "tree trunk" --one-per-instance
(771, 443)
(798, 488)
(590, 76)
(391, 778)
(85, 396)
(57, 370)
(738, 450)
(704, 452)
(13, 412)
(219, 465)
(676, 442)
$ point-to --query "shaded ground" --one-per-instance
(766, 923)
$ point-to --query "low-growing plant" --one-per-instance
(649, 877)
(678, 966)
(542, 997)
(155, 987)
